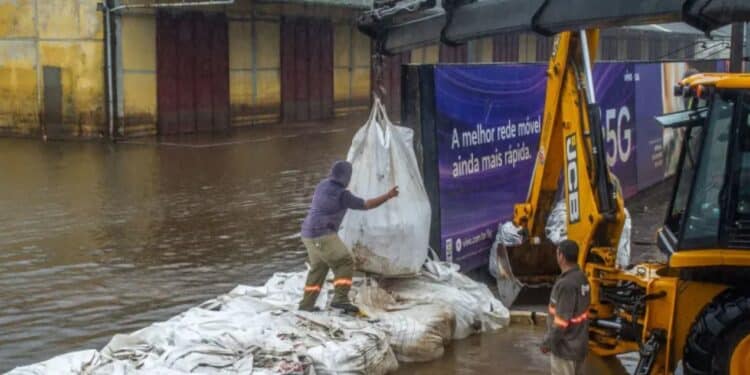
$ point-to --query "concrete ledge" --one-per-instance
(531, 318)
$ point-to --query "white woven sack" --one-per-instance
(391, 240)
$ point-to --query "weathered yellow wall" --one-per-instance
(351, 74)
(68, 34)
(254, 69)
(342, 62)
(138, 78)
(17, 18)
(18, 88)
(527, 47)
(482, 51)
(267, 98)
(241, 71)
(57, 33)
(362, 54)
(425, 55)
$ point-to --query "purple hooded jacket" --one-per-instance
(330, 202)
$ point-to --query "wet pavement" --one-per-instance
(99, 239)
(515, 350)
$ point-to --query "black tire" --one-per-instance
(715, 333)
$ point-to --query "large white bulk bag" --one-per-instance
(391, 240)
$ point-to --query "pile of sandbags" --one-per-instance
(237, 334)
(420, 314)
(257, 330)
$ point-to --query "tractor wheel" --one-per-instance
(719, 340)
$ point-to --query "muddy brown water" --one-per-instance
(98, 239)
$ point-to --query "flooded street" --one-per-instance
(98, 239)
(513, 350)
(101, 239)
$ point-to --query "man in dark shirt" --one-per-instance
(319, 234)
(567, 325)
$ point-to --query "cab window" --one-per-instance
(742, 207)
(705, 207)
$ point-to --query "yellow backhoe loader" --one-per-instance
(695, 308)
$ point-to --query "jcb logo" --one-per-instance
(574, 213)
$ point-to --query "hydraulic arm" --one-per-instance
(635, 310)
(402, 25)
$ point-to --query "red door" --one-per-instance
(306, 69)
(505, 47)
(203, 72)
(192, 73)
(457, 54)
(391, 83)
(186, 73)
(167, 80)
(220, 75)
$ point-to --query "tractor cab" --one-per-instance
(708, 220)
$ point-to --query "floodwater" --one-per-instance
(513, 350)
(99, 239)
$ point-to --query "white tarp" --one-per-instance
(237, 334)
(556, 231)
(257, 330)
(391, 240)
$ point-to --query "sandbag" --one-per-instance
(508, 286)
(237, 333)
(475, 307)
(556, 231)
(70, 363)
(391, 240)
(418, 331)
(258, 330)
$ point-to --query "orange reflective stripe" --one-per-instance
(560, 322)
(342, 282)
(312, 288)
(581, 318)
(564, 323)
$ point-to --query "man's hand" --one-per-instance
(544, 348)
(375, 202)
(393, 193)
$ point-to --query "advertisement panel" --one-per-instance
(650, 150)
(614, 85)
(488, 118)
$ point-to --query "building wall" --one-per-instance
(351, 69)
(58, 34)
(136, 74)
(254, 65)
(68, 35)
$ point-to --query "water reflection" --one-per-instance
(99, 239)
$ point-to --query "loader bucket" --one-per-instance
(517, 264)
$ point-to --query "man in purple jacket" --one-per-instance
(324, 247)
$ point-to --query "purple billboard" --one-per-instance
(488, 120)
(480, 139)
(614, 85)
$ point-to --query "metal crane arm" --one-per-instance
(402, 25)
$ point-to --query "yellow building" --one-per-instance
(180, 67)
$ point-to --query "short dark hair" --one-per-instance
(569, 250)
